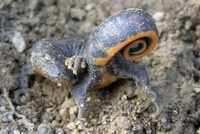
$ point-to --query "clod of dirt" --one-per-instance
(44, 129)
(19, 42)
(159, 16)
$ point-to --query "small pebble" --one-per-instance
(124, 97)
(23, 99)
(94, 121)
(52, 10)
(44, 129)
(73, 110)
(19, 42)
(197, 90)
(78, 122)
(54, 123)
(159, 16)
(104, 119)
(181, 1)
(198, 41)
(1, 5)
(69, 102)
(59, 131)
(2, 108)
(198, 131)
(79, 3)
(16, 132)
(122, 122)
(100, 15)
(198, 31)
(71, 126)
(77, 13)
(188, 25)
(3, 131)
(33, 4)
(4, 3)
(48, 2)
(89, 6)
(137, 127)
(101, 114)
(86, 27)
(91, 17)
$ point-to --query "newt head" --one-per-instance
(48, 61)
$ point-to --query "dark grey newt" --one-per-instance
(96, 60)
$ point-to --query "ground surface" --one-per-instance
(173, 67)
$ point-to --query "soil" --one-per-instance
(173, 68)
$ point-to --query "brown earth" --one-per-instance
(173, 67)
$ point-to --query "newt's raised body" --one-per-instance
(95, 60)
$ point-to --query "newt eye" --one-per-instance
(46, 58)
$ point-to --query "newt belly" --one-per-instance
(105, 80)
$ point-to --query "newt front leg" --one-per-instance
(83, 98)
(25, 73)
(77, 63)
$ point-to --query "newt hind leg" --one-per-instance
(146, 96)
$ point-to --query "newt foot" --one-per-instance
(76, 63)
(20, 94)
(146, 97)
